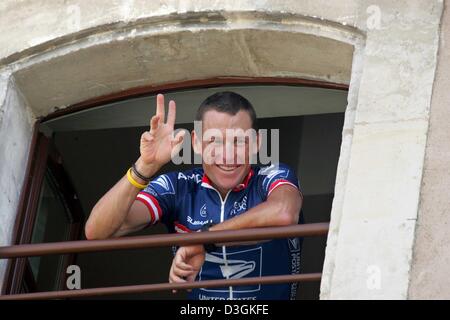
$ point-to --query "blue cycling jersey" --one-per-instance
(185, 201)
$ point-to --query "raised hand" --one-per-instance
(159, 144)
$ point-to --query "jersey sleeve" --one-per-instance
(275, 175)
(159, 197)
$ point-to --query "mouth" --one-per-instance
(228, 168)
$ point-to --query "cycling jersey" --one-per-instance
(185, 201)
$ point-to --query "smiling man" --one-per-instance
(226, 193)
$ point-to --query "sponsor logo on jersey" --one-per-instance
(165, 184)
(294, 244)
(196, 177)
(271, 172)
(203, 212)
(239, 206)
(235, 265)
(197, 222)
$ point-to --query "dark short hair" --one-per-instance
(227, 102)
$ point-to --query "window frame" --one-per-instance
(18, 276)
(40, 151)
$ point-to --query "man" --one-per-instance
(227, 193)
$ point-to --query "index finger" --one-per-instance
(179, 262)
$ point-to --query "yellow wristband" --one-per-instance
(134, 182)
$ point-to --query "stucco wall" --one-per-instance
(68, 51)
(369, 249)
(430, 276)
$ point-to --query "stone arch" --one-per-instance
(155, 51)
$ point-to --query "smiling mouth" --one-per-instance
(227, 168)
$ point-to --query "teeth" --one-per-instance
(227, 168)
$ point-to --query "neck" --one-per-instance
(223, 192)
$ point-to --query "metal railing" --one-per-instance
(228, 237)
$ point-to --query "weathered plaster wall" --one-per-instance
(430, 276)
(369, 253)
(68, 51)
(116, 65)
(65, 20)
(15, 135)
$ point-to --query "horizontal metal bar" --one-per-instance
(228, 236)
(163, 286)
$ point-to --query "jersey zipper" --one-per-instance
(224, 250)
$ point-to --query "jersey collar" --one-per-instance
(206, 182)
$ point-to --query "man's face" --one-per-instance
(226, 148)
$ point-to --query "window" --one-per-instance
(95, 146)
(53, 214)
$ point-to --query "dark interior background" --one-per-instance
(96, 159)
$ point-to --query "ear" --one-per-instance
(196, 143)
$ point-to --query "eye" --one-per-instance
(216, 140)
